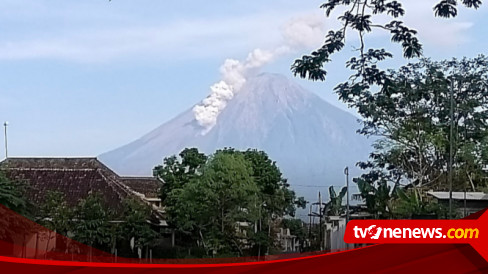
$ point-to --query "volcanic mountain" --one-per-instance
(311, 140)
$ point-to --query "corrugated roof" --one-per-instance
(444, 195)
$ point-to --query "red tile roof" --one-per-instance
(76, 178)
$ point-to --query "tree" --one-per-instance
(409, 204)
(362, 17)
(297, 228)
(376, 193)
(411, 117)
(275, 193)
(334, 207)
(178, 172)
(243, 188)
(211, 206)
(55, 214)
(12, 195)
(13, 203)
(91, 225)
(135, 224)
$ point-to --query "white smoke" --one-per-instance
(305, 32)
(298, 33)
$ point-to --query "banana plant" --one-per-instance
(334, 207)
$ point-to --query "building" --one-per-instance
(76, 178)
(465, 203)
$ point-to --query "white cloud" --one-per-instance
(176, 38)
(95, 45)
(436, 31)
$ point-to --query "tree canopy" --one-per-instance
(362, 17)
(12, 195)
(227, 200)
(410, 116)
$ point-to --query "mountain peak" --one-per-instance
(270, 91)
(311, 140)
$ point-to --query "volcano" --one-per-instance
(310, 140)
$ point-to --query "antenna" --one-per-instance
(5, 124)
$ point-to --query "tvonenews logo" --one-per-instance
(375, 232)
(472, 231)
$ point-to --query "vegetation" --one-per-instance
(12, 198)
(407, 109)
(91, 225)
(12, 195)
(334, 206)
(411, 117)
(135, 224)
(362, 17)
(55, 214)
(226, 202)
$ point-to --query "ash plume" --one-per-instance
(297, 33)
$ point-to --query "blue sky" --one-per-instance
(79, 78)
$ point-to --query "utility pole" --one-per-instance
(346, 172)
(451, 136)
(310, 223)
(320, 221)
(5, 124)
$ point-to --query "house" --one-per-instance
(465, 203)
(288, 242)
(76, 178)
(147, 188)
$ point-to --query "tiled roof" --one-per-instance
(76, 178)
(149, 186)
(51, 163)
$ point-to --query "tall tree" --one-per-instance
(231, 188)
(176, 172)
(411, 117)
(135, 216)
(91, 225)
(55, 214)
(210, 207)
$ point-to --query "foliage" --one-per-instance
(297, 227)
(377, 195)
(91, 225)
(334, 206)
(55, 214)
(134, 223)
(12, 195)
(410, 115)
(410, 203)
(227, 202)
(178, 172)
(276, 196)
(13, 203)
(363, 17)
(210, 207)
